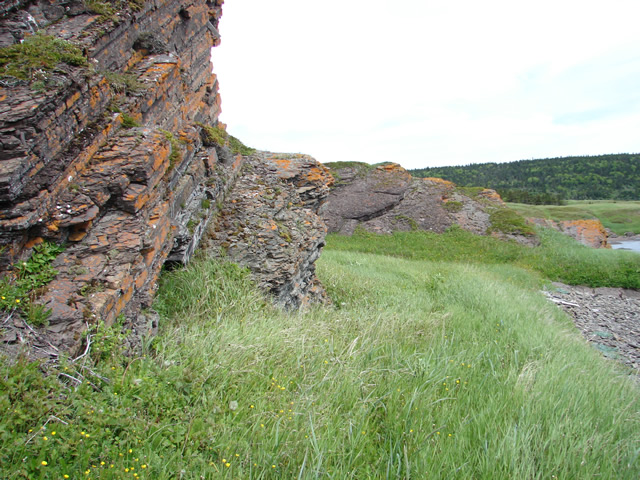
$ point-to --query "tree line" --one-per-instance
(551, 180)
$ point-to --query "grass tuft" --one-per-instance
(37, 56)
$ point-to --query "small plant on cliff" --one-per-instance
(237, 147)
(19, 292)
(136, 5)
(37, 56)
(361, 169)
(412, 223)
(126, 83)
(176, 156)
(129, 122)
(212, 136)
(470, 192)
(109, 9)
(452, 206)
(105, 9)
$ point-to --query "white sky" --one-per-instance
(431, 82)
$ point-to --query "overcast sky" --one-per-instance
(431, 82)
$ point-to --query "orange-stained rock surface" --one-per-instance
(588, 232)
(108, 160)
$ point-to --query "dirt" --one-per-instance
(609, 318)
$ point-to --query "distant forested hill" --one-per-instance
(550, 179)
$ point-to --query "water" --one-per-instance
(627, 245)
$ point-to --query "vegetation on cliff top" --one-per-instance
(218, 136)
(360, 168)
(37, 56)
(595, 177)
(415, 371)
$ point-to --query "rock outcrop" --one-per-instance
(113, 148)
(588, 232)
(385, 198)
(270, 224)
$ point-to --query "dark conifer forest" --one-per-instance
(551, 180)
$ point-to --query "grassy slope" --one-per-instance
(422, 368)
(620, 216)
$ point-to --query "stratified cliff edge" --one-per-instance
(113, 148)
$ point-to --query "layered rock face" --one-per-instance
(108, 153)
(386, 198)
(270, 224)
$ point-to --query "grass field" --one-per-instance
(558, 258)
(437, 368)
(619, 216)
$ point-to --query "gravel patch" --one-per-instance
(609, 318)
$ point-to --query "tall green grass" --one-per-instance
(619, 216)
(558, 258)
(420, 369)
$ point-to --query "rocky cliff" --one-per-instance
(386, 198)
(110, 145)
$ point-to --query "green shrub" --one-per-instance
(175, 157)
(237, 147)
(126, 83)
(212, 136)
(470, 192)
(506, 220)
(452, 206)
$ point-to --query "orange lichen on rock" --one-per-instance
(587, 232)
(490, 194)
(320, 175)
(283, 163)
(440, 181)
(391, 167)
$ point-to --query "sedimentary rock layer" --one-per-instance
(110, 153)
